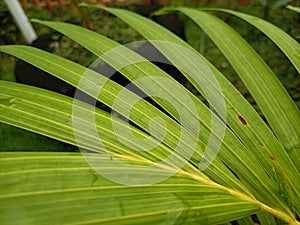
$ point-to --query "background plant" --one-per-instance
(256, 171)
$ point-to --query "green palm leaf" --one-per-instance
(100, 44)
(160, 183)
(296, 9)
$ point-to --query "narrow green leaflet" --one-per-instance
(245, 221)
(296, 9)
(60, 188)
(265, 219)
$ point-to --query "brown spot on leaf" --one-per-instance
(242, 120)
(272, 158)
